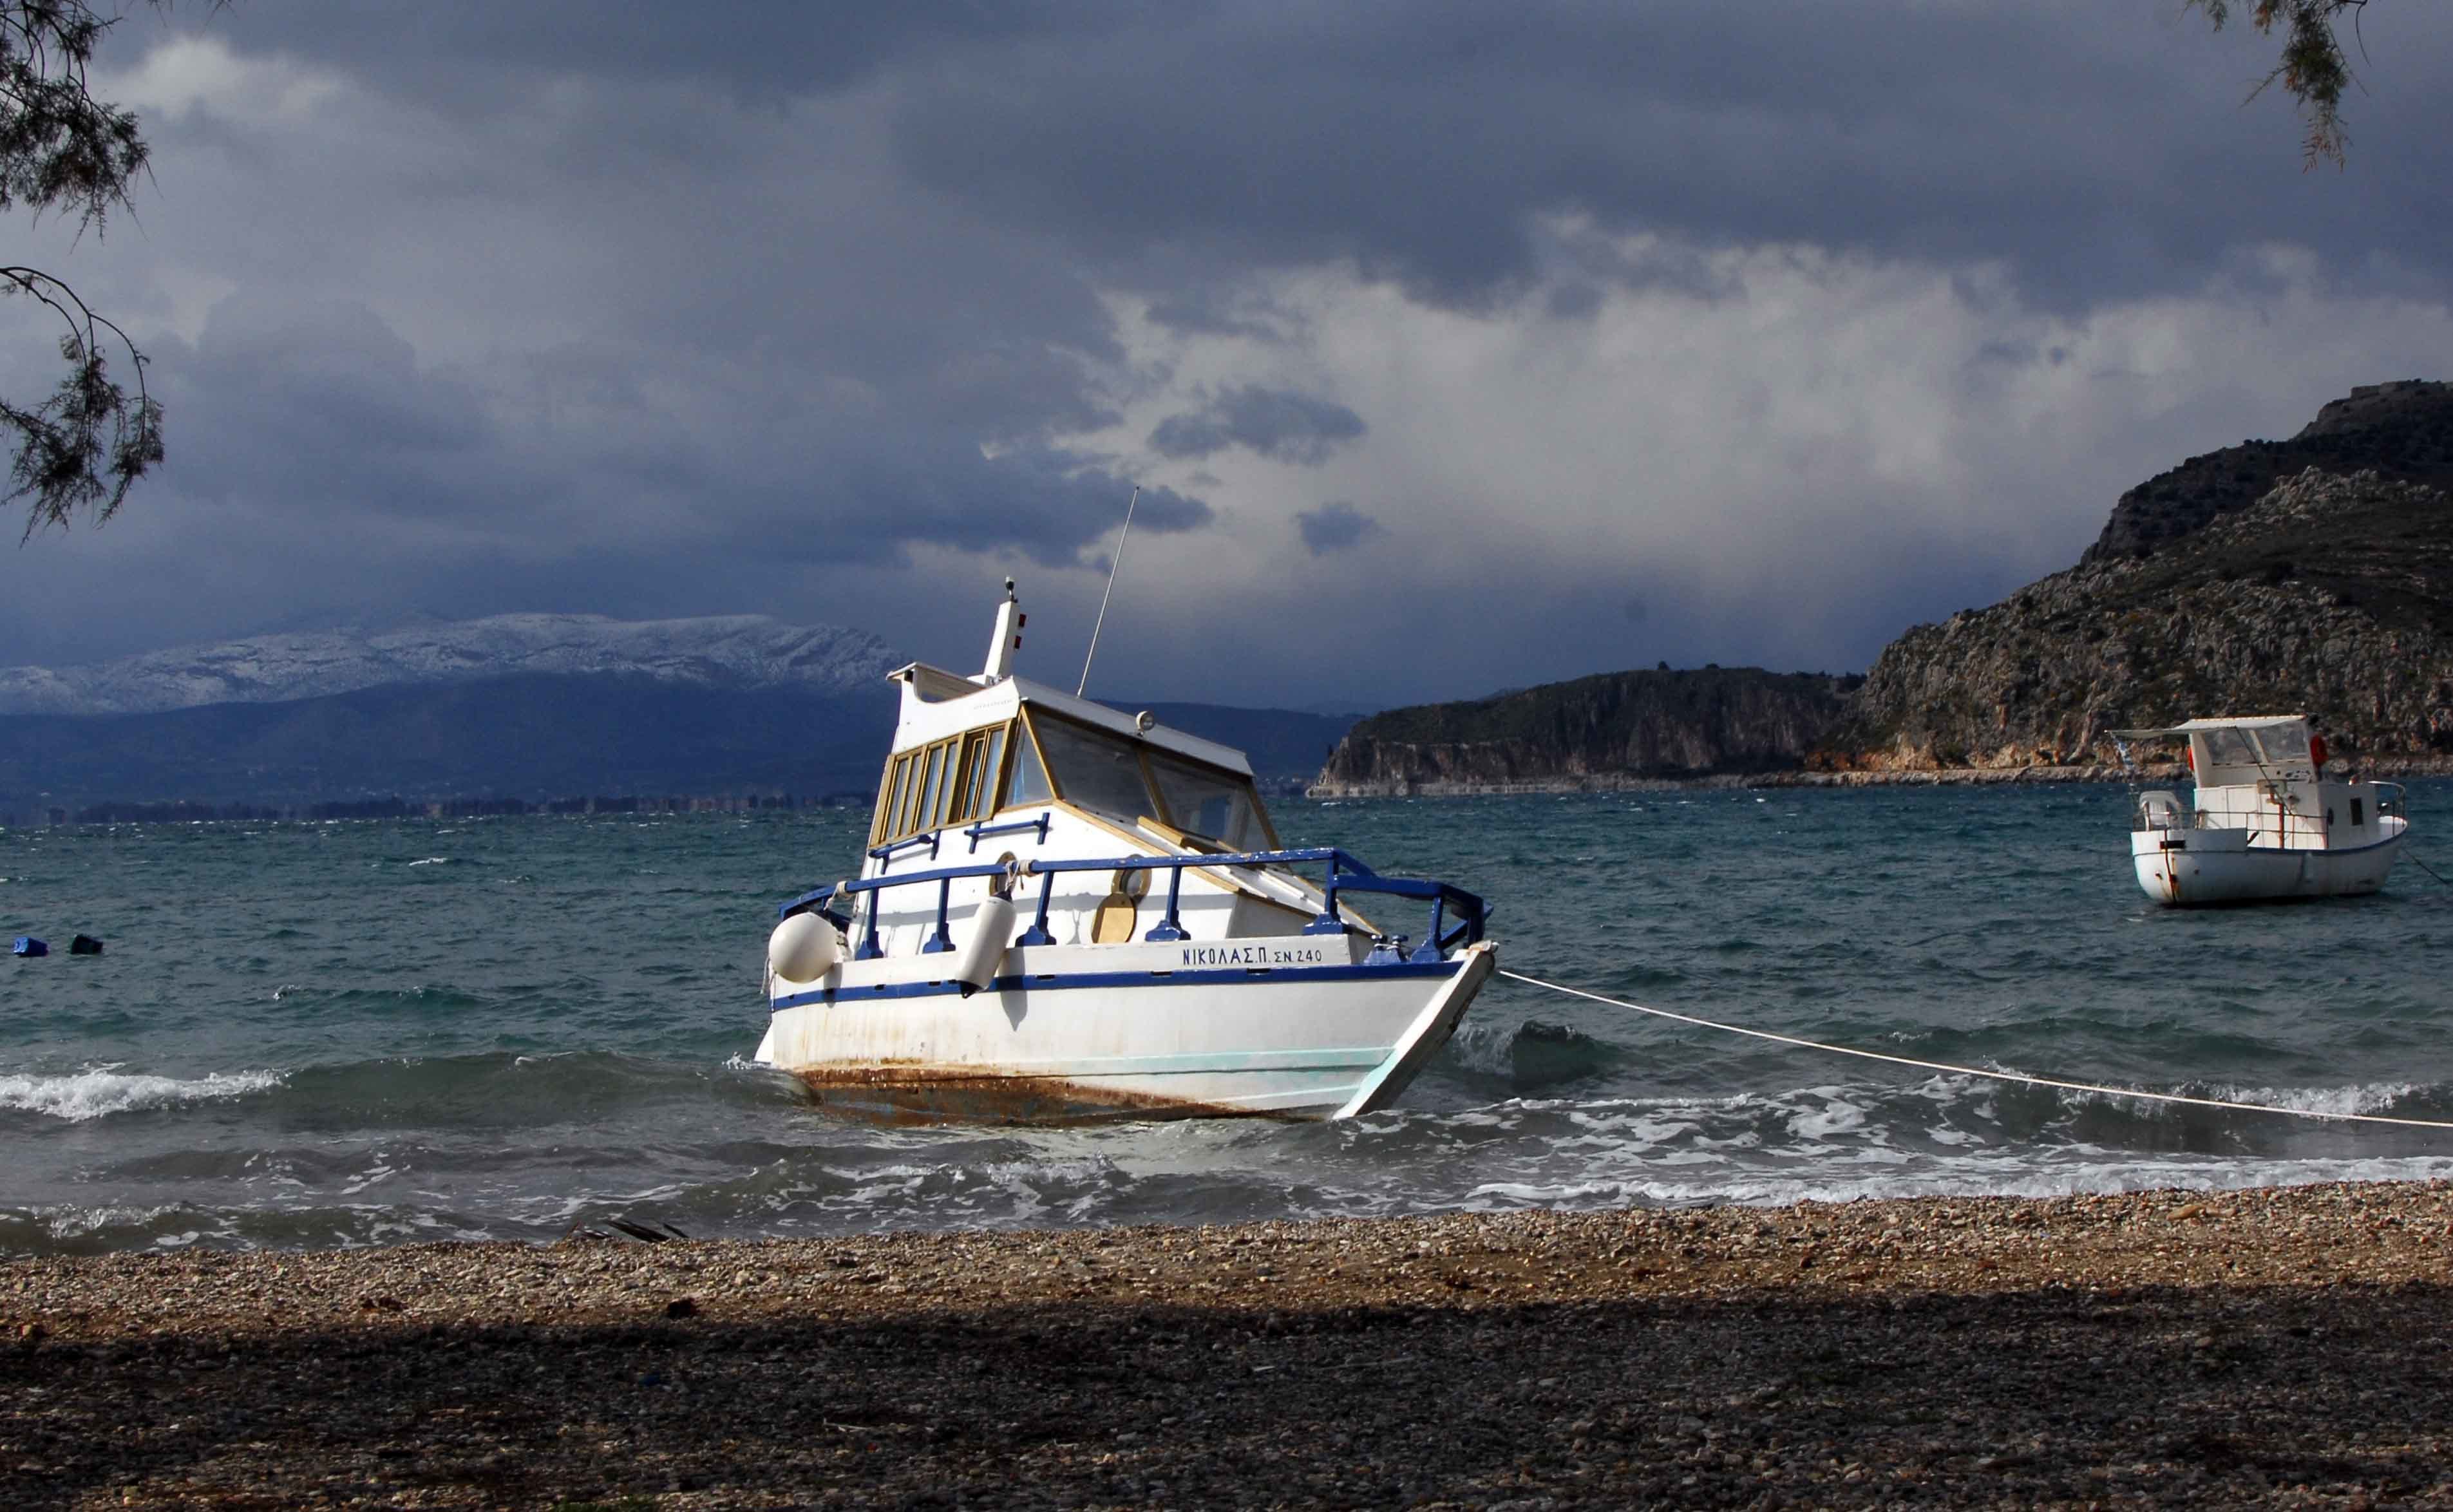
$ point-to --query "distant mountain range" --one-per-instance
(534, 706)
(740, 651)
(2310, 574)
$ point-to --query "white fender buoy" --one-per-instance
(982, 950)
(803, 948)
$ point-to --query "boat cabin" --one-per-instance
(2263, 775)
(994, 768)
(1035, 749)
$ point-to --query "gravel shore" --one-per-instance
(2289, 1348)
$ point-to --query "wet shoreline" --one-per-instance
(2281, 1346)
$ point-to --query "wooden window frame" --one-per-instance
(889, 799)
(970, 768)
(1014, 754)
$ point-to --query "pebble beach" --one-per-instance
(2286, 1347)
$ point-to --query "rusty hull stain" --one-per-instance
(915, 1094)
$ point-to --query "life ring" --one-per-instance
(2317, 751)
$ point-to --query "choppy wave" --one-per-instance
(78, 1096)
(1531, 1054)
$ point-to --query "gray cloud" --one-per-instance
(842, 311)
(1335, 527)
(2096, 147)
(1275, 422)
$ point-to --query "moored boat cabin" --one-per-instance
(2263, 775)
(996, 767)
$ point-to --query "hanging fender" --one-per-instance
(977, 958)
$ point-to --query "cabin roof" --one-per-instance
(937, 702)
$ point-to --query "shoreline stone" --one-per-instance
(2283, 1346)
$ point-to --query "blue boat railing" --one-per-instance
(1345, 874)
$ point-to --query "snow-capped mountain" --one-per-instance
(727, 651)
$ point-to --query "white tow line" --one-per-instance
(1977, 1071)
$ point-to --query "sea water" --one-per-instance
(378, 1032)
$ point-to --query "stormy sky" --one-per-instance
(1454, 346)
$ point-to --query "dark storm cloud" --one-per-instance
(300, 409)
(312, 405)
(2102, 147)
(807, 309)
(758, 49)
(2097, 151)
(1276, 422)
(1335, 527)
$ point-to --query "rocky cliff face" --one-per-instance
(2402, 431)
(2329, 594)
(2310, 575)
(1611, 730)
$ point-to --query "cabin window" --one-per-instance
(1095, 771)
(991, 768)
(943, 783)
(889, 800)
(1213, 805)
(965, 782)
(2283, 744)
(2227, 748)
(2359, 812)
(932, 782)
(1026, 780)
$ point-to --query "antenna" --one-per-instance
(1114, 564)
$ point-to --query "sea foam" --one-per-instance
(84, 1095)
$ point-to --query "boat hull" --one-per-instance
(2193, 867)
(1068, 1034)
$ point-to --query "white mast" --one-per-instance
(1007, 640)
(1114, 563)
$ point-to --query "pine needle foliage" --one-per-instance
(80, 449)
(2313, 68)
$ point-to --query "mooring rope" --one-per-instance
(2430, 870)
(1977, 1071)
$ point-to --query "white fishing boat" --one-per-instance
(1063, 912)
(2266, 823)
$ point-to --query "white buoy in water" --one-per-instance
(803, 948)
(982, 950)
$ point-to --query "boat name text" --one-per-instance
(1254, 955)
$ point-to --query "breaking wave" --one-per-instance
(81, 1095)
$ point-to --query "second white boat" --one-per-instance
(2268, 824)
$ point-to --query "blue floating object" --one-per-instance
(28, 946)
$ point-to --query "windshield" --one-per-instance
(2229, 748)
(1211, 804)
(2285, 745)
(1099, 772)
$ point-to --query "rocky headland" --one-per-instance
(2327, 595)
(1617, 730)
(2313, 574)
